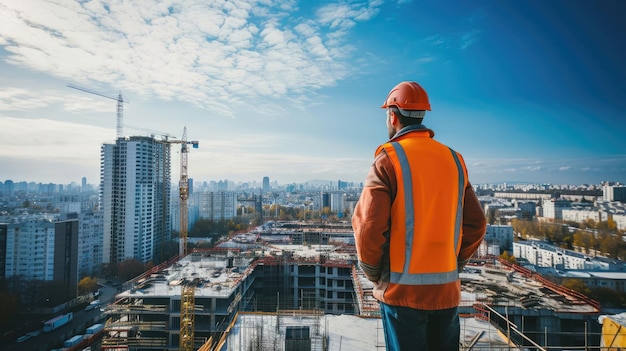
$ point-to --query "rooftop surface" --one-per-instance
(342, 332)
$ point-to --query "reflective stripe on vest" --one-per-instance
(407, 278)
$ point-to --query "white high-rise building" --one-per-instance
(134, 195)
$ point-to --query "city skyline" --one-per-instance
(526, 91)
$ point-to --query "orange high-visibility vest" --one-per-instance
(427, 212)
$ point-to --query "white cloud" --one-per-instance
(17, 99)
(469, 38)
(240, 51)
(44, 139)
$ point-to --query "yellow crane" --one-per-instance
(187, 295)
(183, 189)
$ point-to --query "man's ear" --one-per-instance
(393, 118)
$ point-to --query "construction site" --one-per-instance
(262, 291)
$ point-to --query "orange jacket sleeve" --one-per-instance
(474, 226)
(370, 220)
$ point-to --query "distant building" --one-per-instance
(553, 208)
(580, 215)
(341, 185)
(266, 184)
(215, 206)
(336, 202)
(620, 221)
(542, 254)
(324, 200)
(3, 250)
(134, 193)
(614, 193)
(527, 208)
(500, 235)
(595, 279)
(41, 249)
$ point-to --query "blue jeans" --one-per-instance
(408, 329)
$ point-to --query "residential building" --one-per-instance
(500, 235)
(134, 194)
(215, 206)
(90, 233)
(544, 255)
(620, 221)
(41, 248)
(580, 215)
(553, 208)
(527, 208)
(614, 193)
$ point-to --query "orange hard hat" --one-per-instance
(408, 96)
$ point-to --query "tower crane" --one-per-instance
(120, 105)
(183, 188)
(187, 296)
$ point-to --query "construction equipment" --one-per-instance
(183, 188)
(187, 296)
(187, 314)
(120, 105)
(150, 132)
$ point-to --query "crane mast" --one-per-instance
(187, 296)
(183, 188)
(120, 106)
(187, 316)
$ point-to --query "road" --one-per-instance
(82, 320)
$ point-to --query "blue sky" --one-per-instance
(530, 91)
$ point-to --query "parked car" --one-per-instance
(92, 305)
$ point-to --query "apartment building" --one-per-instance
(614, 193)
(213, 205)
(553, 208)
(41, 248)
(134, 195)
(500, 235)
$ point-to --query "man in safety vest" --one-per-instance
(416, 224)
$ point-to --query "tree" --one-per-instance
(577, 285)
(608, 296)
(129, 269)
(109, 269)
(584, 240)
(87, 285)
(508, 257)
(9, 305)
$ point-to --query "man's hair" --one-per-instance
(404, 120)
